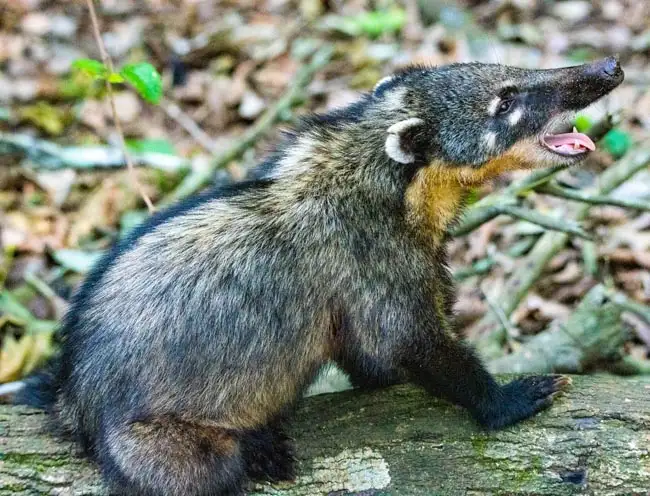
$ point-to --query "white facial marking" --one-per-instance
(489, 139)
(494, 105)
(515, 117)
(394, 98)
(297, 159)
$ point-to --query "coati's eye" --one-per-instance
(505, 106)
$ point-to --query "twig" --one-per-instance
(109, 90)
(477, 216)
(630, 305)
(186, 122)
(590, 258)
(551, 223)
(569, 194)
(592, 333)
(550, 245)
(502, 317)
(489, 207)
(48, 155)
(479, 267)
(58, 304)
(195, 181)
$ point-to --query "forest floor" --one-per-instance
(65, 197)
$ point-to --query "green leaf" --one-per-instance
(582, 123)
(617, 142)
(145, 79)
(372, 24)
(91, 67)
(42, 326)
(76, 260)
(114, 77)
(9, 305)
(48, 117)
(376, 23)
(151, 146)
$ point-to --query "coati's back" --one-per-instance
(192, 337)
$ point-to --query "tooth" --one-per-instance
(575, 130)
(576, 145)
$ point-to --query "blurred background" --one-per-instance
(234, 73)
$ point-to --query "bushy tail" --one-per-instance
(40, 389)
(166, 455)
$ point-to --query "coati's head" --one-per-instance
(476, 115)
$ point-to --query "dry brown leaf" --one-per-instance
(33, 232)
(40, 350)
(640, 326)
(103, 207)
(571, 273)
(534, 306)
(13, 356)
(272, 79)
(20, 357)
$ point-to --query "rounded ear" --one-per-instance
(399, 142)
(382, 85)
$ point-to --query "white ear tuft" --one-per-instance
(381, 82)
(395, 147)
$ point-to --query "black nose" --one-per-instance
(608, 68)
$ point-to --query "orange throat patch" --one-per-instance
(435, 197)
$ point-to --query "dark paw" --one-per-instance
(269, 456)
(521, 399)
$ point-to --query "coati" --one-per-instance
(190, 341)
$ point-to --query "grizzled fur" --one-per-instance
(190, 341)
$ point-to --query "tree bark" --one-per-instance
(595, 440)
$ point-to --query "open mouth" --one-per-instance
(568, 144)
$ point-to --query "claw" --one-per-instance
(562, 382)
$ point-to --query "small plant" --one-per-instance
(144, 77)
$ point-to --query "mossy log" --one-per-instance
(595, 440)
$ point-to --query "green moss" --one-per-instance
(35, 461)
(524, 476)
(480, 443)
(12, 489)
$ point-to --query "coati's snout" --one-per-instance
(582, 85)
(579, 87)
(475, 114)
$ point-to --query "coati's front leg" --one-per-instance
(452, 370)
(412, 338)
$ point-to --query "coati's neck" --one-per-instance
(436, 195)
(433, 203)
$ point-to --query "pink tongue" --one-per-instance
(570, 139)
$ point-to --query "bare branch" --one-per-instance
(545, 221)
(569, 194)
